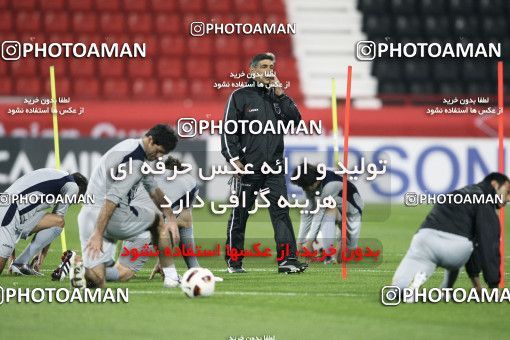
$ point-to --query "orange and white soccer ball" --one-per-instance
(198, 282)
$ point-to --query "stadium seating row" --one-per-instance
(185, 6)
(123, 88)
(193, 67)
(434, 6)
(115, 22)
(177, 64)
(437, 21)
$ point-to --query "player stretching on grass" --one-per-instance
(326, 218)
(181, 191)
(115, 217)
(21, 219)
(447, 236)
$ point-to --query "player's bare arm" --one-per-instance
(95, 243)
(170, 223)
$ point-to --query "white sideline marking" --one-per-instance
(222, 270)
(178, 291)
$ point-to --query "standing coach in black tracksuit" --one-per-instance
(450, 234)
(262, 100)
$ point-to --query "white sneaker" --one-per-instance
(418, 280)
(77, 272)
(171, 283)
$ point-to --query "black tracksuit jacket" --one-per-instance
(477, 222)
(257, 103)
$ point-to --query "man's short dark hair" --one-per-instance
(81, 181)
(305, 180)
(164, 136)
(172, 162)
(262, 56)
(496, 176)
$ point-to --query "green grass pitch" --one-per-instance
(316, 304)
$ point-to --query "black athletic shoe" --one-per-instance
(63, 269)
(291, 266)
(24, 269)
(236, 269)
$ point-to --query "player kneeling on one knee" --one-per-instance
(22, 218)
(447, 236)
(324, 219)
(181, 192)
(115, 216)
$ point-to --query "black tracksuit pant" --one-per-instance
(282, 225)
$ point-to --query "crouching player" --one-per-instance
(114, 217)
(325, 219)
(180, 191)
(447, 235)
(24, 218)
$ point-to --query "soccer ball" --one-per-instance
(198, 282)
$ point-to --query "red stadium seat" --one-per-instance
(60, 37)
(192, 6)
(6, 22)
(62, 87)
(140, 68)
(28, 86)
(223, 68)
(4, 4)
(254, 46)
(202, 89)
(218, 6)
(188, 19)
(281, 46)
(82, 67)
(24, 4)
(286, 69)
(112, 23)
(25, 67)
(164, 6)
(60, 64)
(139, 22)
(200, 46)
(86, 88)
(151, 43)
(37, 37)
(89, 38)
(115, 88)
(172, 45)
(276, 18)
(248, 19)
(135, 5)
(107, 5)
(48, 5)
(223, 18)
(170, 68)
(56, 22)
(174, 88)
(28, 21)
(273, 7)
(119, 38)
(111, 68)
(3, 68)
(145, 89)
(168, 23)
(246, 6)
(5, 88)
(80, 5)
(227, 45)
(199, 68)
(84, 22)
